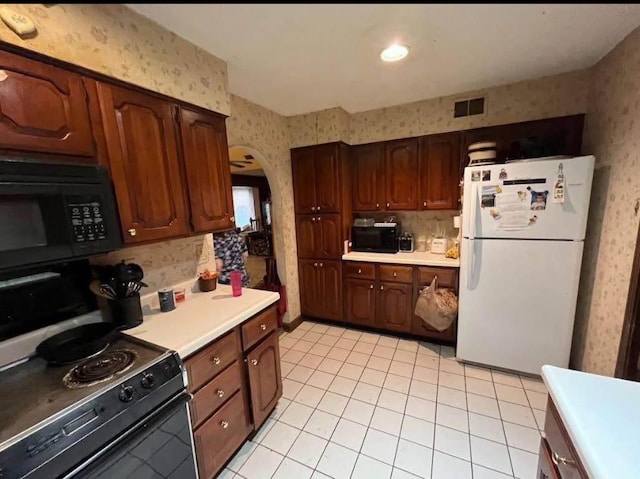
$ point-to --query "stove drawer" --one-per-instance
(259, 327)
(208, 399)
(212, 360)
(219, 437)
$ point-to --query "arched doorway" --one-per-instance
(256, 204)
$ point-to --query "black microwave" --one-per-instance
(54, 212)
(375, 239)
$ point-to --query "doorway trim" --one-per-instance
(630, 339)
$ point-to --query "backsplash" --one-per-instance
(166, 263)
(420, 222)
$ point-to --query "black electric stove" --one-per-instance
(107, 416)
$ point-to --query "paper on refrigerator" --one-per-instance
(512, 209)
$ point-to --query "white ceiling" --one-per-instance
(300, 58)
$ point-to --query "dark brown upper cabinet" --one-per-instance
(206, 159)
(317, 178)
(440, 171)
(319, 236)
(367, 173)
(401, 174)
(141, 140)
(43, 108)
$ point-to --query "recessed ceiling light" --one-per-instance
(394, 53)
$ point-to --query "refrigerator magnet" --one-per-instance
(539, 200)
(558, 188)
(475, 176)
(503, 174)
(486, 175)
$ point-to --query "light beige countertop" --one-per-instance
(415, 258)
(200, 319)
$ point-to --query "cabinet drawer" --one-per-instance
(215, 393)
(395, 273)
(360, 270)
(212, 360)
(219, 437)
(560, 446)
(447, 277)
(259, 327)
(546, 468)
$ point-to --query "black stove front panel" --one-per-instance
(68, 440)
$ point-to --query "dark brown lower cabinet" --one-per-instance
(546, 468)
(234, 389)
(394, 309)
(265, 381)
(360, 301)
(321, 288)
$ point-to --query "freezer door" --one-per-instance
(515, 200)
(517, 302)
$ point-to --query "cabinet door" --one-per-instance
(360, 301)
(143, 156)
(394, 310)
(328, 237)
(304, 179)
(308, 275)
(367, 173)
(401, 179)
(43, 108)
(206, 158)
(265, 381)
(306, 232)
(440, 171)
(330, 290)
(327, 176)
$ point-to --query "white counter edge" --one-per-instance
(402, 258)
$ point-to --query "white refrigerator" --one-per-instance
(523, 228)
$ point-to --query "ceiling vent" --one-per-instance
(474, 106)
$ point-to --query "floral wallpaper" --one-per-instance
(266, 135)
(319, 127)
(121, 43)
(612, 133)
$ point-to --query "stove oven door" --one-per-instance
(161, 446)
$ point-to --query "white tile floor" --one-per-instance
(367, 406)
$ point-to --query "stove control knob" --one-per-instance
(148, 381)
(126, 393)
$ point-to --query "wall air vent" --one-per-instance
(475, 106)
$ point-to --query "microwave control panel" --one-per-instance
(87, 219)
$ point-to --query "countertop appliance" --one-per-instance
(54, 212)
(380, 238)
(122, 413)
(439, 245)
(523, 229)
(405, 243)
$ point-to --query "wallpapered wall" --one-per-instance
(547, 97)
(116, 41)
(612, 133)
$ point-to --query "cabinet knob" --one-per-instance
(321, 265)
(232, 219)
(317, 208)
(558, 460)
(377, 205)
(424, 203)
(254, 362)
(132, 232)
(388, 205)
(313, 208)
(381, 287)
(359, 271)
(224, 424)
(315, 264)
(263, 327)
(216, 360)
(395, 275)
(313, 219)
(220, 393)
(318, 218)
(371, 287)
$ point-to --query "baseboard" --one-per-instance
(290, 326)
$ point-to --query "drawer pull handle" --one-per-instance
(424, 203)
(388, 205)
(132, 232)
(395, 275)
(224, 424)
(220, 393)
(377, 205)
(216, 360)
(359, 271)
(254, 362)
(263, 327)
(559, 460)
(381, 287)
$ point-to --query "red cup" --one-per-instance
(236, 282)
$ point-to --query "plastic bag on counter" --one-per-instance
(438, 308)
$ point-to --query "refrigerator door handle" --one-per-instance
(470, 265)
(473, 212)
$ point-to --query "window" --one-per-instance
(244, 205)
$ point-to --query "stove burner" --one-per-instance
(99, 368)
